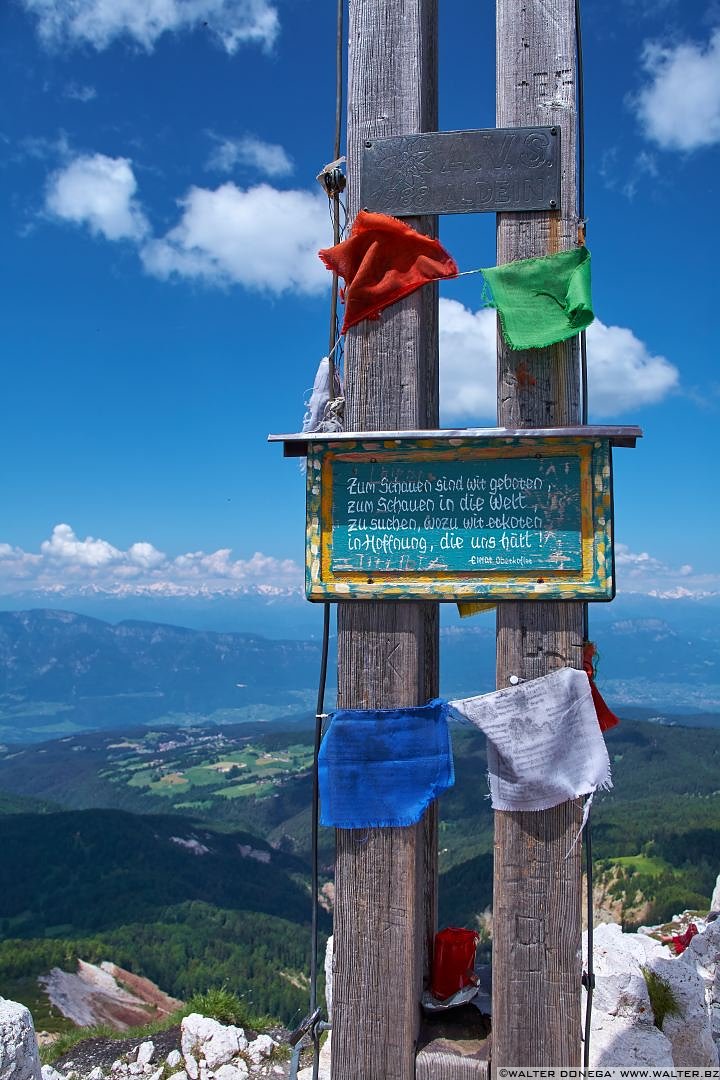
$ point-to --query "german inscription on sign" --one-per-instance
(460, 172)
(529, 519)
(518, 514)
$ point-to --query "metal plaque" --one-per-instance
(462, 172)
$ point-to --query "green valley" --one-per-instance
(182, 853)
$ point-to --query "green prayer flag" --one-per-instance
(541, 301)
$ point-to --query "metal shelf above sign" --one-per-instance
(461, 514)
(462, 172)
(296, 444)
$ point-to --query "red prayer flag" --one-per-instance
(606, 717)
(382, 261)
(679, 942)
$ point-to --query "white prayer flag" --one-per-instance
(544, 741)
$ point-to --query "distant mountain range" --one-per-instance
(283, 612)
(63, 672)
(277, 611)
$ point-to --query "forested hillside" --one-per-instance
(188, 906)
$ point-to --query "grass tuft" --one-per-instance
(226, 1007)
(663, 999)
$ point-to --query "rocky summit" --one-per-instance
(200, 1048)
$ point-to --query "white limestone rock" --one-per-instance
(181, 1075)
(260, 1048)
(174, 1058)
(323, 1064)
(329, 976)
(236, 1071)
(203, 1038)
(19, 1058)
(622, 1031)
(715, 902)
(615, 952)
(96, 1074)
(703, 955)
(145, 1053)
(691, 1032)
(48, 1073)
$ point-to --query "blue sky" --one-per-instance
(164, 308)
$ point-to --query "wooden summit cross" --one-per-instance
(386, 879)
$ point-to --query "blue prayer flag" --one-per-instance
(383, 767)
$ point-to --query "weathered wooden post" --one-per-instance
(387, 652)
(537, 896)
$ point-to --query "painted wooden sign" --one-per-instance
(460, 518)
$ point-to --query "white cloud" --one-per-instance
(100, 22)
(64, 546)
(622, 373)
(638, 571)
(260, 238)
(467, 362)
(250, 152)
(145, 555)
(66, 561)
(99, 192)
(80, 92)
(679, 108)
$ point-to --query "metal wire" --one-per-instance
(589, 977)
(335, 204)
(319, 715)
(335, 197)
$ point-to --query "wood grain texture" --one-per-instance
(443, 1059)
(537, 894)
(385, 907)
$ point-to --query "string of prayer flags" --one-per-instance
(606, 717)
(544, 742)
(382, 261)
(542, 301)
(383, 767)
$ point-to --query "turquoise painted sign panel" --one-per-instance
(467, 518)
(492, 515)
